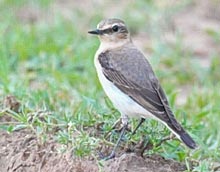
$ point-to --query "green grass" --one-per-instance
(48, 66)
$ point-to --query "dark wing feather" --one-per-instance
(144, 89)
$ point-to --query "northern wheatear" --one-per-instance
(129, 81)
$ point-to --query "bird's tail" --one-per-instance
(173, 124)
(187, 139)
(183, 136)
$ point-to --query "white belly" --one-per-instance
(125, 105)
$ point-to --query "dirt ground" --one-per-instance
(21, 152)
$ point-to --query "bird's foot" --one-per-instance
(112, 155)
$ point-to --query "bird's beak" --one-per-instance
(95, 32)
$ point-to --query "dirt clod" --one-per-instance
(132, 162)
(11, 102)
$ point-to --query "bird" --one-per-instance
(130, 82)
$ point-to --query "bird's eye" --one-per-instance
(115, 28)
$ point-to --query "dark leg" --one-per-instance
(139, 124)
(112, 155)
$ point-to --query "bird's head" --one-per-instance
(112, 31)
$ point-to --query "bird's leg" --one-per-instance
(139, 124)
(125, 125)
(112, 155)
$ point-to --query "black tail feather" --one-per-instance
(187, 139)
(183, 135)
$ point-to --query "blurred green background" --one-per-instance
(46, 62)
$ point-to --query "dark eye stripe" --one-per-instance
(109, 30)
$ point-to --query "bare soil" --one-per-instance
(21, 152)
